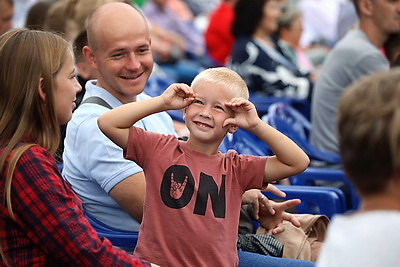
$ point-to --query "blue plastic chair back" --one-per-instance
(157, 83)
(60, 166)
(263, 103)
(293, 124)
(176, 115)
(311, 174)
(118, 237)
(244, 142)
(155, 86)
(314, 199)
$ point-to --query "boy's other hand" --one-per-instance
(245, 117)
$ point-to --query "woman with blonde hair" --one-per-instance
(41, 220)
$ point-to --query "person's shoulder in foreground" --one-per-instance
(369, 136)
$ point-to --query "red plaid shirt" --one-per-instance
(50, 227)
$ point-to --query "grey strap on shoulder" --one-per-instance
(96, 100)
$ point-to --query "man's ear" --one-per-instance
(366, 7)
(89, 56)
(42, 93)
(232, 128)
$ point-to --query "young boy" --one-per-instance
(369, 141)
(193, 192)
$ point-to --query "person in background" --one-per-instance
(392, 49)
(202, 7)
(190, 53)
(290, 29)
(6, 15)
(56, 18)
(77, 13)
(255, 57)
(199, 187)
(32, 231)
(84, 70)
(325, 21)
(357, 54)
(182, 9)
(218, 37)
(21, 8)
(369, 140)
(36, 16)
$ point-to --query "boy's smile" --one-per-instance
(203, 125)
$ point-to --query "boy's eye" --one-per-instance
(219, 107)
(196, 101)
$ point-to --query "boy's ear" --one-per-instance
(184, 113)
(232, 128)
(42, 93)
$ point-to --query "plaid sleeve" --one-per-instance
(52, 217)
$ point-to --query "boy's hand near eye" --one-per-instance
(246, 116)
(177, 96)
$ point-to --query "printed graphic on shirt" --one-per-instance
(178, 188)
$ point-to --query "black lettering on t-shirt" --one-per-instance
(177, 186)
(208, 187)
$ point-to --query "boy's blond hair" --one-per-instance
(225, 77)
(369, 131)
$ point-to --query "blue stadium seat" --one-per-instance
(120, 238)
(294, 125)
(60, 166)
(157, 83)
(314, 199)
(244, 142)
(311, 174)
(263, 103)
(176, 115)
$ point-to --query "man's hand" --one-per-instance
(274, 190)
(256, 198)
(272, 221)
(269, 213)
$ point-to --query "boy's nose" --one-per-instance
(205, 113)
